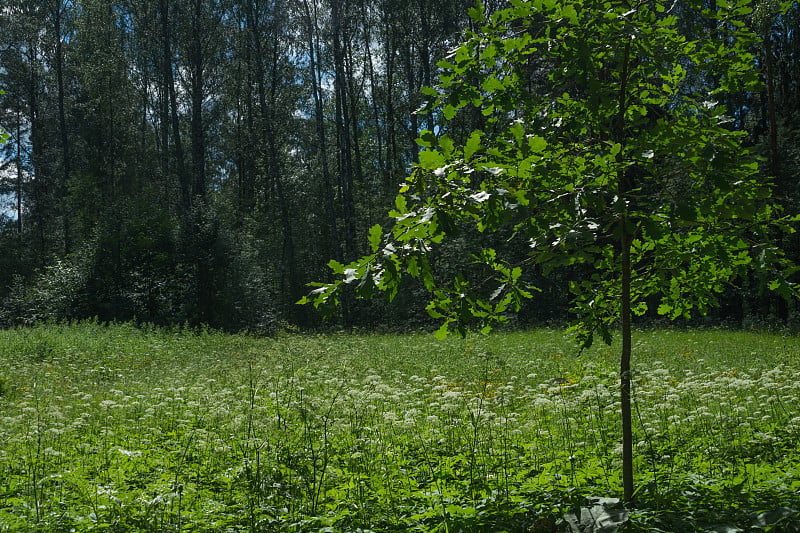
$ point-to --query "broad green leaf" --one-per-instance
(401, 204)
(518, 131)
(375, 234)
(430, 91)
(491, 84)
(336, 266)
(537, 144)
(443, 331)
(568, 12)
(431, 159)
(447, 145)
(473, 144)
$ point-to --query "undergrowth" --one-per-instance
(118, 428)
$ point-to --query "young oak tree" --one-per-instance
(606, 147)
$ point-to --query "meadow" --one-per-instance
(118, 428)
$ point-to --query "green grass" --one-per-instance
(123, 429)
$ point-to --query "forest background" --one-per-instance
(201, 161)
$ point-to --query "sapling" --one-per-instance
(604, 149)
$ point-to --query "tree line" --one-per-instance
(201, 161)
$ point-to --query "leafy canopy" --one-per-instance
(597, 119)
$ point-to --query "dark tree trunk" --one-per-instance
(245, 145)
(202, 235)
(381, 162)
(342, 113)
(625, 366)
(344, 142)
(773, 126)
(171, 92)
(197, 91)
(392, 156)
(353, 97)
(19, 173)
(626, 239)
(62, 124)
(40, 193)
(333, 244)
(413, 89)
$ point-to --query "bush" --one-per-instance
(52, 294)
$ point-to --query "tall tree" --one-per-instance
(170, 120)
(12, 154)
(25, 61)
(311, 21)
(57, 15)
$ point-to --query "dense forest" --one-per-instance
(201, 161)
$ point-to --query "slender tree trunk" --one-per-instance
(201, 236)
(274, 189)
(412, 83)
(289, 259)
(333, 244)
(289, 278)
(392, 157)
(265, 108)
(40, 191)
(62, 123)
(382, 163)
(245, 146)
(625, 366)
(169, 87)
(19, 173)
(197, 74)
(353, 96)
(773, 126)
(626, 238)
(342, 113)
(164, 115)
(425, 53)
(344, 144)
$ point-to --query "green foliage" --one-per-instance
(53, 295)
(121, 428)
(604, 147)
(603, 124)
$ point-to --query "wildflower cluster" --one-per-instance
(339, 433)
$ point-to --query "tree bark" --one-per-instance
(201, 235)
(353, 96)
(197, 93)
(342, 115)
(773, 126)
(40, 193)
(392, 157)
(626, 238)
(62, 124)
(625, 366)
(381, 162)
(333, 242)
(168, 79)
(344, 145)
(19, 173)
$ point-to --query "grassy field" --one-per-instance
(123, 429)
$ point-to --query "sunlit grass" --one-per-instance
(121, 429)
